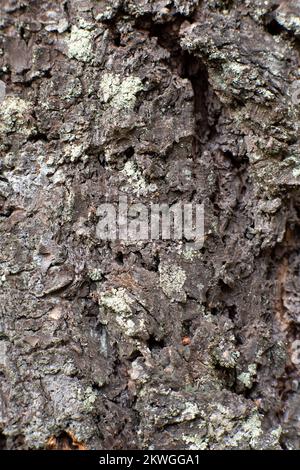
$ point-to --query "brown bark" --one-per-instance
(149, 344)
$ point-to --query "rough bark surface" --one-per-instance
(120, 345)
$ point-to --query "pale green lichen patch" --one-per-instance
(172, 279)
(88, 399)
(73, 89)
(195, 441)
(135, 181)
(247, 377)
(189, 254)
(117, 300)
(225, 354)
(120, 92)
(120, 303)
(80, 44)
(296, 172)
(251, 428)
(95, 274)
(130, 327)
(276, 433)
(14, 115)
(224, 427)
(190, 412)
(73, 153)
(180, 413)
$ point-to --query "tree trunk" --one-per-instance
(121, 343)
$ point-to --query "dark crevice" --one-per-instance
(167, 34)
(214, 311)
(273, 27)
(67, 12)
(154, 262)
(3, 441)
(154, 343)
(270, 22)
(115, 35)
(188, 66)
(226, 375)
(235, 161)
(120, 258)
(232, 312)
(7, 212)
(117, 39)
(186, 327)
(47, 74)
(128, 153)
(135, 355)
(39, 136)
(225, 288)
(228, 4)
(195, 71)
(102, 160)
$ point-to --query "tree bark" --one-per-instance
(150, 344)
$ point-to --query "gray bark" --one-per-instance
(149, 344)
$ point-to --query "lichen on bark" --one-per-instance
(149, 344)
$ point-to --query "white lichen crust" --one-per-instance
(80, 44)
(120, 92)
